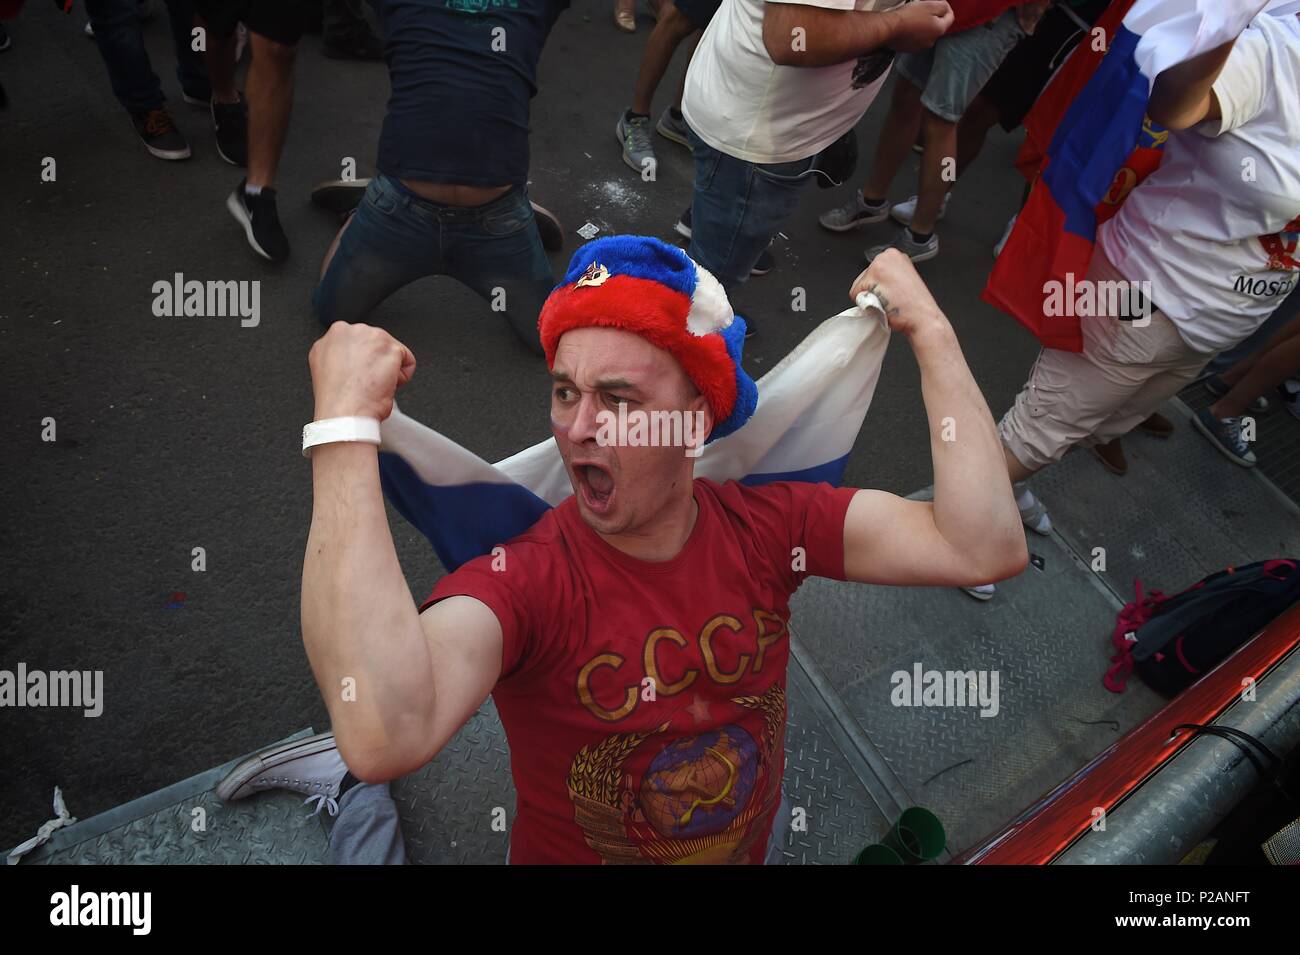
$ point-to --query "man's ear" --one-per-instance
(700, 404)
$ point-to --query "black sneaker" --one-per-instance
(764, 264)
(357, 44)
(5, 42)
(159, 134)
(261, 222)
(230, 123)
(339, 196)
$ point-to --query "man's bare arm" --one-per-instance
(414, 678)
(795, 34)
(970, 534)
(1183, 95)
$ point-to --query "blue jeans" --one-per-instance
(396, 237)
(121, 44)
(737, 207)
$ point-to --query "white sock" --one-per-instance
(252, 190)
(1024, 496)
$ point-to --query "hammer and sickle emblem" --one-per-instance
(596, 274)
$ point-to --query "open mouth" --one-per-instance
(596, 485)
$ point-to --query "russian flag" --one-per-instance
(1103, 147)
(810, 409)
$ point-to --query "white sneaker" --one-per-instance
(903, 211)
(1006, 234)
(312, 766)
(980, 591)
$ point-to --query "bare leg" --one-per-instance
(1015, 470)
(220, 58)
(672, 28)
(1239, 371)
(692, 43)
(937, 161)
(270, 97)
(979, 118)
(901, 126)
(1271, 365)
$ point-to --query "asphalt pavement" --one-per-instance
(174, 433)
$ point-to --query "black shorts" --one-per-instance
(699, 12)
(1015, 86)
(284, 21)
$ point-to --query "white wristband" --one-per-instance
(330, 430)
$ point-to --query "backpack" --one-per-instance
(1171, 641)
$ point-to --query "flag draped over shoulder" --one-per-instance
(810, 409)
(1102, 147)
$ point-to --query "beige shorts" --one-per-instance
(1126, 370)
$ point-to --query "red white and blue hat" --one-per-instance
(642, 285)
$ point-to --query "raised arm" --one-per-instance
(1183, 95)
(970, 534)
(414, 678)
(796, 34)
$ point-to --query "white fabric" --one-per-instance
(741, 103)
(1208, 228)
(61, 818)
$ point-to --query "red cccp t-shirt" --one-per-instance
(644, 702)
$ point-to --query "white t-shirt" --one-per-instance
(741, 103)
(1214, 228)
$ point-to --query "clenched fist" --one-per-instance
(356, 370)
(917, 25)
(908, 304)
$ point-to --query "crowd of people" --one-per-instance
(770, 101)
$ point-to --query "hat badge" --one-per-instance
(596, 274)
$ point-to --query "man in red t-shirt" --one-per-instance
(635, 639)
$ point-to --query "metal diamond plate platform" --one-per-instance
(1044, 635)
(1181, 512)
(162, 828)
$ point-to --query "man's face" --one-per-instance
(620, 488)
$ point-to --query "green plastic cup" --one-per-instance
(918, 836)
(877, 855)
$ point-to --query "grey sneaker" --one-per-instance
(902, 212)
(634, 135)
(903, 241)
(673, 128)
(1225, 435)
(312, 766)
(853, 214)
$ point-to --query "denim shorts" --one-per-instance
(952, 72)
